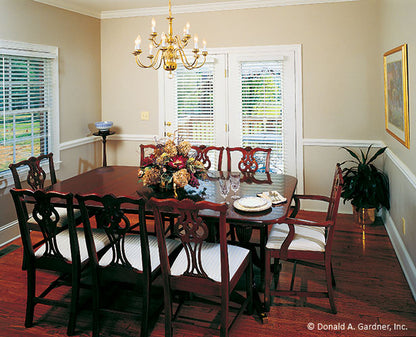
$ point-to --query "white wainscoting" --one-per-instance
(406, 262)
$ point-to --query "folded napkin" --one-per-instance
(274, 196)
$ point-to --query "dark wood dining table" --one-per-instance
(123, 181)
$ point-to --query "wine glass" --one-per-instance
(224, 187)
(235, 184)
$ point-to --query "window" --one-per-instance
(28, 109)
(240, 98)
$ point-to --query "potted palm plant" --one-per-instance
(365, 185)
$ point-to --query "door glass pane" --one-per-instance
(262, 110)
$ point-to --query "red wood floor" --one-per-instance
(372, 297)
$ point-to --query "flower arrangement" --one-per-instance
(171, 166)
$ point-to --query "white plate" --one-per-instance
(265, 204)
(252, 202)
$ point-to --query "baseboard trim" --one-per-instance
(9, 233)
(408, 266)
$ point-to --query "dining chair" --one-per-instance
(36, 178)
(64, 252)
(306, 242)
(209, 155)
(201, 268)
(248, 165)
(145, 151)
(133, 259)
(249, 159)
(36, 175)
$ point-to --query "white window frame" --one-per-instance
(17, 48)
(294, 51)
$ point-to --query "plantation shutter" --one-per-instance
(262, 109)
(194, 104)
(25, 107)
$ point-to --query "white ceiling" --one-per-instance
(123, 8)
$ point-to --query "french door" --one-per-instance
(238, 98)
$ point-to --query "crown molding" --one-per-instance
(179, 9)
(211, 7)
(71, 7)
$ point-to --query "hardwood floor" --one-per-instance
(372, 297)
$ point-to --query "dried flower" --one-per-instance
(178, 162)
(184, 147)
(170, 148)
(181, 177)
(151, 176)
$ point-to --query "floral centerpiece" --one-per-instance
(171, 166)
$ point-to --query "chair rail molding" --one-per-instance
(134, 137)
(77, 142)
(342, 142)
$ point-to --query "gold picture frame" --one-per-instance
(396, 96)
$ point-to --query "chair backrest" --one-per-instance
(203, 154)
(47, 217)
(110, 212)
(36, 175)
(333, 204)
(192, 231)
(145, 151)
(248, 162)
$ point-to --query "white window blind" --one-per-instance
(193, 103)
(25, 107)
(261, 106)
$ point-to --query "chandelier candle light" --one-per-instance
(169, 49)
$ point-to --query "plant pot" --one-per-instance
(364, 216)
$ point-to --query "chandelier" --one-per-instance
(169, 49)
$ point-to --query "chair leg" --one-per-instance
(334, 284)
(249, 289)
(30, 301)
(292, 281)
(145, 311)
(328, 272)
(232, 233)
(96, 311)
(224, 314)
(168, 312)
(277, 267)
(267, 280)
(74, 303)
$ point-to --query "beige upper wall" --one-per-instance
(340, 61)
(398, 26)
(78, 40)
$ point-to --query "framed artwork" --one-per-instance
(396, 94)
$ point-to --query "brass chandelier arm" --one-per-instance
(194, 64)
(153, 62)
(181, 43)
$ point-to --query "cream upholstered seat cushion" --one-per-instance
(211, 260)
(62, 222)
(308, 238)
(132, 248)
(62, 240)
